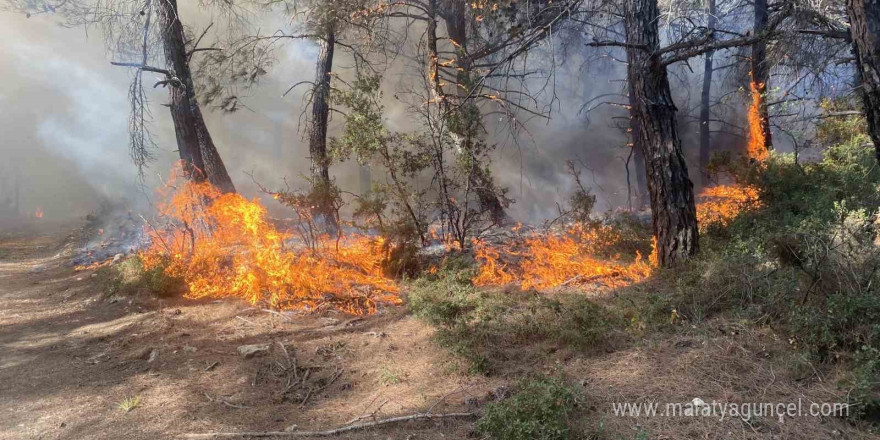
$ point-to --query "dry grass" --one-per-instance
(720, 361)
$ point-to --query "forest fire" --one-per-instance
(719, 205)
(543, 261)
(38, 213)
(756, 149)
(223, 245)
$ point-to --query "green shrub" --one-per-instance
(479, 324)
(838, 130)
(807, 261)
(129, 277)
(539, 410)
(864, 394)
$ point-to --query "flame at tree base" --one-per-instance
(222, 245)
(572, 257)
(757, 148)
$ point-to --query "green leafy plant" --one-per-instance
(478, 324)
(539, 410)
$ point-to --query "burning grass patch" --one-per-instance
(223, 245)
(544, 260)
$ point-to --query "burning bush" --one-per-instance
(223, 245)
(719, 205)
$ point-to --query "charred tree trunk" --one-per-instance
(706, 104)
(197, 151)
(864, 18)
(673, 211)
(761, 70)
(321, 184)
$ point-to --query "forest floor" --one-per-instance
(70, 355)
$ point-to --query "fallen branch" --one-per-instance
(328, 433)
(371, 415)
(229, 404)
(273, 312)
(580, 279)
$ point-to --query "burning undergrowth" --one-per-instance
(719, 205)
(577, 254)
(610, 252)
(224, 245)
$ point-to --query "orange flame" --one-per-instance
(719, 205)
(93, 266)
(222, 245)
(555, 260)
(756, 148)
(39, 213)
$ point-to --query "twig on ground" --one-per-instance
(246, 320)
(311, 391)
(371, 415)
(330, 432)
(229, 404)
(439, 401)
(277, 314)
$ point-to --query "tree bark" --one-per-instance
(864, 18)
(706, 104)
(197, 151)
(320, 168)
(642, 198)
(465, 122)
(761, 70)
(673, 210)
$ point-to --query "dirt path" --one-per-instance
(69, 355)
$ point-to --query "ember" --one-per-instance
(223, 245)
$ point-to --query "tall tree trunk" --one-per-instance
(320, 168)
(465, 123)
(673, 211)
(706, 104)
(761, 70)
(864, 19)
(197, 151)
(642, 198)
